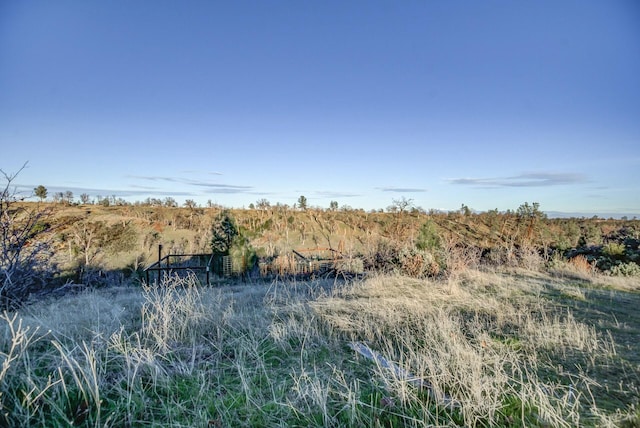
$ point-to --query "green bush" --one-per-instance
(428, 237)
(625, 269)
(614, 250)
(243, 255)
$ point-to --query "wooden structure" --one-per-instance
(196, 263)
(310, 262)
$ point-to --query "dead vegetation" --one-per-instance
(511, 348)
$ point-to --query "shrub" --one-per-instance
(625, 269)
(417, 263)
(428, 237)
(528, 257)
(243, 255)
(352, 265)
(381, 256)
(614, 250)
(24, 254)
(580, 264)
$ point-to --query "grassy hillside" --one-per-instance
(120, 238)
(484, 349)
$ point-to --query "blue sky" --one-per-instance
(488, 104)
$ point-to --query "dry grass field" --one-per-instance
(481, 348)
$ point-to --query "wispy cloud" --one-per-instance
(77, 191)
(210, 188)
(143, 187)
(533, 179)
(401, 189)
(155, 178)
(194, 171)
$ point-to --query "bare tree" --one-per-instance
(263, 204)
(88, 237)
(191, 204)
(23, 250)
(401, 205)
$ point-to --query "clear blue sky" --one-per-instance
(489, 103)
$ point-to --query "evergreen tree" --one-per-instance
(302, 202)
(428, 237)
(224, 229)
(40, 192)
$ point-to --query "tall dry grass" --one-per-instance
(479, 340)
(477, 349)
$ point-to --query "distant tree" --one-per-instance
(191, 204)
(68, 196)
(526, 211)
(154, 202)
(252, 206)
(103, 201)
(418, 210)
(401, 205)
(465, 210)
(58, 197)
(531, 215)
(40, 192)
(333, 205)
(85, 198)
(280, 207)
(263, 204)
(302, 202)
(170, 202)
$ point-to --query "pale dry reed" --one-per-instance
(278, 354)
(476, 340)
